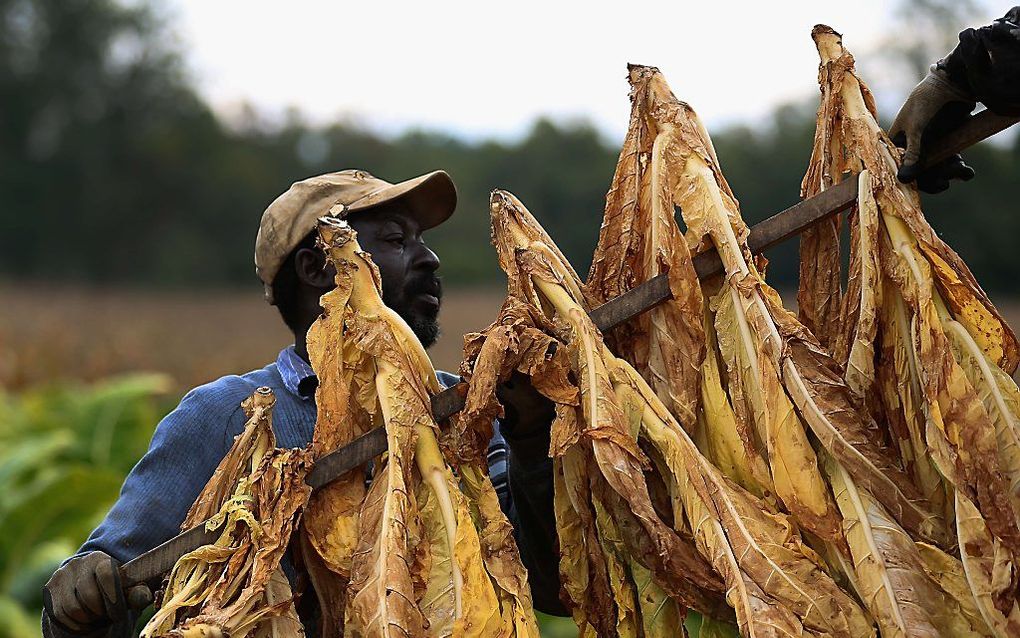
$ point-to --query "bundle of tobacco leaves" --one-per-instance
(922, 347)
(424, 549)
(774, 414)
(235, 587)
(648, 525)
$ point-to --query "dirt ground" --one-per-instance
(49, 334)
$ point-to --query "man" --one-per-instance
(984, 67)
(84, 596)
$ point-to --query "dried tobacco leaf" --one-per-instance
(638, 241)
(780, 382)
(235, 586)
(422, 551)
(344, 398)
(887, 569)
(933, 362)
(537, 271)
(603, 453)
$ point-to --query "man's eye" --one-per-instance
(394, 239)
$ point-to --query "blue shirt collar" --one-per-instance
(298, 376)
(300, 379)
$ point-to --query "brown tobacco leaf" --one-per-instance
(599, 426)
(819, 249)
(606, 516)
(937, 289)
(586, 591)
(234, 586)
(423, 551)
(768, 361)
(820, 298)
(674, 562)
(749, 339)
(520, 341)
(639, 240)
(933, 359)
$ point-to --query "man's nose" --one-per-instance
(425, 259)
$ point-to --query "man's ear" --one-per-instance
(313, 269)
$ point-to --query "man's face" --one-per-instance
(408, 268)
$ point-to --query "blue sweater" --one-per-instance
(191, 440)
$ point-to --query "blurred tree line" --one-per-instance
(113, 170)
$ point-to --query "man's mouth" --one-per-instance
(429, 299)
(428, 293)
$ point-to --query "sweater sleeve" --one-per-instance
(185, 449)
(530, 510)
(987, 63)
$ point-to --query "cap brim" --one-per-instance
(431, 198)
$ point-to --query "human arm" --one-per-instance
(84, 597)
(984, 67)
(525, 428)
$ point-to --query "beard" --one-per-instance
(423, 319)
(425, 328)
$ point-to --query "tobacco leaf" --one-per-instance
(959, 615)
(931, 300)
(499, 552)
(234, 586)
(583, 571)
(417, 565)
(990, 573)
(888, 573)
(773, 580)
(639, 240)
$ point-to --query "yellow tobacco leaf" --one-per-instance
(382, 601)
(989, 570)
(438, 602)
(960, 615)
(418, 567)
(660, 615)
(254, 499)
(888, 573)
(480, 613)
(621, 583)
(765, 564)
(500, 554)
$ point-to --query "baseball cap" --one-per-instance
(431, 199)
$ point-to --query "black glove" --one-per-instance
(934, 108)
(85, 595)
(984, 67)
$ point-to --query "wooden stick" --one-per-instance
(774, 230)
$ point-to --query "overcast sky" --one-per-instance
(480, 69)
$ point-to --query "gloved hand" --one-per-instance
(934, 108)
(85, 595)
